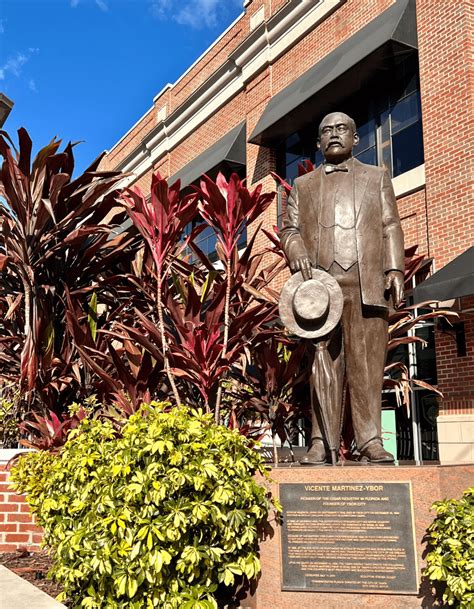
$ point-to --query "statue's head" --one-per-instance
(337, 136)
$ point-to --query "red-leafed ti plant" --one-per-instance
(161, 220)
(55, 232)
(229, 207)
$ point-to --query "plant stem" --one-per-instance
(275, 451)
(217, 412)
(27, 290)
(164, 342)
(29, 329)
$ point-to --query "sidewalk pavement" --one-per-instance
(17, 593)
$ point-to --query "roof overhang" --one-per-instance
(230, 149)
(454, 280)
(346, 69)
(6, 105)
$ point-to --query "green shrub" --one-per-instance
(30, 474)
(156, 517)
(8, 417)
(451, 556)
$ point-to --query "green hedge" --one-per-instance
(158, 516)
(451, 556)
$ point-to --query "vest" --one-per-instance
(337, 234)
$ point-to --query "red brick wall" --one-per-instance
(133, 139)
(445, 36)
(17, 529)
(456, 373)
(162, 167)
(220, 123)
(349, 18)
(412, 210)
(260, 160)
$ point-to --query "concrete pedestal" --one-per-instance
(429, 484)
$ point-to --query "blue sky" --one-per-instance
(88, 69)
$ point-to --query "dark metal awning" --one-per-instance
(231, 149)
(454, 280)
(344, 70)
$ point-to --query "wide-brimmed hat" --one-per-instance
(311, 308)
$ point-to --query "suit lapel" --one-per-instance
(361, 179)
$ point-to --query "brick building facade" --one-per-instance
(405, 71)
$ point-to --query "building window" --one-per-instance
(406, 134)
(206, 241)
(388, 117)
(366, 150)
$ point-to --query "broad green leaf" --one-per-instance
(132, 587)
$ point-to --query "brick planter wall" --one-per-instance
(17, 527)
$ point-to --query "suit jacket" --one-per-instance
(379, 236)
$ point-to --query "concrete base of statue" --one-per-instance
(283, 585)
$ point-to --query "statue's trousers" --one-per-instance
(359, 353)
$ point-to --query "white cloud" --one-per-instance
(161, 8)
(102, 4)
(32, 85)
(197, 12)
(194, 13)
(14, 64)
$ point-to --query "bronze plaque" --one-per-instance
(348, 537)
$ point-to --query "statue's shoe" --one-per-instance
(376, 453)
(316, 455)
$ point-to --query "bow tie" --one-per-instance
(330, 168)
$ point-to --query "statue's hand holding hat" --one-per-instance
(312, 308)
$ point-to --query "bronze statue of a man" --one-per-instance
(342, 218)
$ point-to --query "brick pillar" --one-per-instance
(445, 37)
(260, 160)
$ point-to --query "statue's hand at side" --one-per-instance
(301, 263)
(394, 281)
